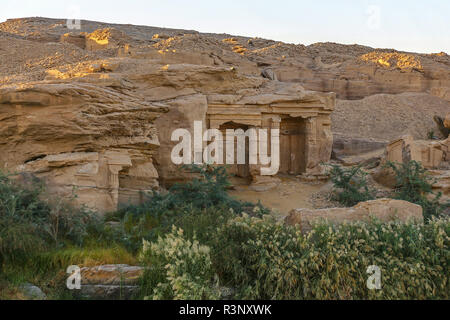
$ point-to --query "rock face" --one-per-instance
(110, 281)
(104, 128)
(99, 132)
(355, 151)
(384, 210)
(97, 138)
(93, 110)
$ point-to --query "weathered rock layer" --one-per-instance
(91, 111)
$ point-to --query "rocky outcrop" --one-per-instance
(384, 210)
(104, 129)
(97, 138)
(93, 110)
(351, 71)
(442, 184)
(357, 151)
(430, 153)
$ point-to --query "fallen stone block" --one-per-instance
(111, 274)
(110, 282)
(385, 210)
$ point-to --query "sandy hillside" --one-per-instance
(382, 92)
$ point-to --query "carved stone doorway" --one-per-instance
(292, 145)
(239, 170)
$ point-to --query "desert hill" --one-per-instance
(30, 47)
(93, 107)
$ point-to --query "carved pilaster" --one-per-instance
(312, 147)
(113, 181)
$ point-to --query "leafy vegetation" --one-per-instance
(262, 259)
(350, 185)
(30, 223)
(185, 205)
(198, 241)
(178, 268)
(415, 185)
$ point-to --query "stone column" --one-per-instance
(253, 146)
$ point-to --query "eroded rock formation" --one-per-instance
(101, 130)
(433, 155)
(93, 137)
(94, 109)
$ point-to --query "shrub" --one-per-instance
(196, 204)
(66, 221)
(177, 269)
(258, 258)
(414, 184)
(350, 185)
(20, 213)
(30, 222)
(265, 260)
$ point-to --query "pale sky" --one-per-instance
(409, 25)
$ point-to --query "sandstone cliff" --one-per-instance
(92, 109)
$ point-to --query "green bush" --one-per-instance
(31, 222)
(414, 184)
(350, 185)
(265, 260)
(178, 269)
(20, 213)
(185, 205)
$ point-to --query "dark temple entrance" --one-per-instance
(292, 146)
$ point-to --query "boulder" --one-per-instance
(385, 210)
(442, 126)
(384, 176)
(115, 281)
(32, 292)
(111, 274)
